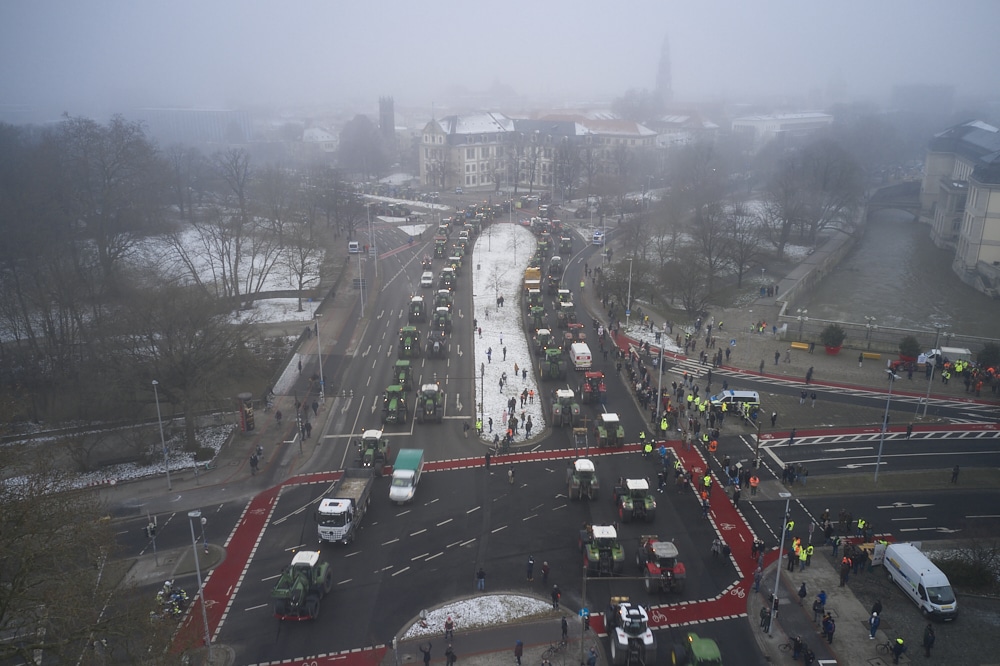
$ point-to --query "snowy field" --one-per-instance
(478, 612)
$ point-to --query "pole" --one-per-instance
(361, 283)
(628, 303)
(192, 515)
(885, 420)
(781, 554)
(583, 621)
(163, 443)
(659, 383)
(319, 353)
(930, 377)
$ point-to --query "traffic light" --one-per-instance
(150, 530)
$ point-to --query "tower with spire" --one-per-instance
(664, 82)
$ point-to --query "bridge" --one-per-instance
(902, 196)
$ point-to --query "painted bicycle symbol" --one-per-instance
(727, 526)
(738, 592)
(657, 618)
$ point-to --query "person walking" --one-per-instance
(277, 417)
(812, 396)
(531, 569)
(909, 430)
(928, 639)
(489, 457)
(518, 651)
(254, 461)
(861, 359)
(774, 418)
(802, 594)
(556, 595)
(777, 358)
(510, 475)
(757, 574)
(481, 580)
(873, 623)
(954, 475)
(545, 573)
(465, 429)
(565, 630)
(427, 652)
(592, 657)
(449, 655)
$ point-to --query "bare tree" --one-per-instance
(709, 232)
(688, 279)
(832, 186)
(744, 239)
(302, 258)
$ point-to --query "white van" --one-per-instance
(733, 399)
(353, 247)
(920, 580)
(580, 354)
(427, 279)
(951, 354)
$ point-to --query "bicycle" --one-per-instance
(554, 649)
(884, 649)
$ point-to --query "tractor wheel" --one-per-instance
(327, 582)
(624, 516)
(378, 467)
(312, 606)
(679, 655)
(651, 585)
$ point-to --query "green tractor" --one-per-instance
(430, 404)
(447, 278)
(603, 553)
(455, 262)
(440, 245)
(394, 409)
(437, 344)
(553, 366)
(552, 282)
(534, 298)
(441, 320)
(633, 501)
(373, 450)
(418, 310)
(582, 480)
(565, 296)
(443, 299)
(543, 340)
(697, 651)
(409, 342)
(565, 315)
(404, 375)
(537, 317)
(609, 431)
(566, 245)
(301, 587)
(565, 409)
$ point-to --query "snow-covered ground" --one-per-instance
(502, 252)
(478, 612)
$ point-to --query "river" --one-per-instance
(900, 277)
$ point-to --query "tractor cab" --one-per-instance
(442, 320)
(404, 375)
(566, 314)
(553, 366)
(565, 296)
(534, 298)
(609, 430)
(409, 342)
(446, 280)
(594, 389)
(443, 298)
(418, 310)
(440, 245)
(543, 339)
(394, 408)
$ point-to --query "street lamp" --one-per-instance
(869, 326)
(885, 421)
(628, 303)
(163, 443)
(802, 320)
(192, 516)
(781, 553)
(319, 353)
(930, 378)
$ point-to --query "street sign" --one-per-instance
(628, 312)
(732, 343)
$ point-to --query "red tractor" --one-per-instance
(657, 560)
(593, 388)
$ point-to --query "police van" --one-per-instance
(734, 399)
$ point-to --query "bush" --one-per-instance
(909, 346)
(833, 336)
(967, 574)
(204, 453)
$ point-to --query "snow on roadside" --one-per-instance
(477, 612)
(500, 255)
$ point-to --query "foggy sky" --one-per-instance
(100, 55)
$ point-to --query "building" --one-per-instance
(767, 127)
(960, 197)
(493, 151)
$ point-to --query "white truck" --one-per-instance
(579, 353)
(951, 354)
(406, 473)
(338, 516)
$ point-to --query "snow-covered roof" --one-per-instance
(610, 417)
(809, 115)
(584, 465)
(317, 135)
(480, 123)
(371, 434)
(307, 557)
(637, 484)
(604, 532)
(564, 393)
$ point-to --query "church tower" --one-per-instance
(664, 82)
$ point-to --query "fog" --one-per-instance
(100, 56)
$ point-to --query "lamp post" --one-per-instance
(319, 353)
(781, 553)
(628, 303)
(869, 326)
(885, 421)
(163, 443)
(192, 516)
(930, 378)
(659, 382)
(802, 320)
